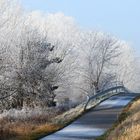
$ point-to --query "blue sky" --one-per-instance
(118, 17)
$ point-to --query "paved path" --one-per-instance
(95, 122)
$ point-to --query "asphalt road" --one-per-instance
(95, 122)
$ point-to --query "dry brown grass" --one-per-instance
(129, 129)
(28, 128)
(25, 130)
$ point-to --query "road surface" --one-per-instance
(95, 122)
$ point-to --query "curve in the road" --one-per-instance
(95, 122)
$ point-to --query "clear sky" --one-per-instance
(118, 17)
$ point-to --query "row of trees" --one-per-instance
(43, 57)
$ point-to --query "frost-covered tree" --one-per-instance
(34, 78)
(104, 61)
(96, 50)
(26, 74)
(64, 34)
(10, 15)
(125, 68)
(29, 74)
